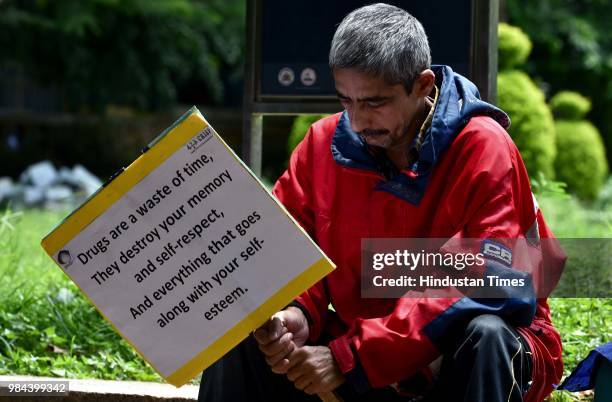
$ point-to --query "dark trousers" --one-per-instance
(489, 361)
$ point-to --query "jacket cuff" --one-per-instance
(349, 364)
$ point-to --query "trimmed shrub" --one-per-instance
(532, 128)
(514, 46)
(300, 127)
(581, 160)
(568, 105)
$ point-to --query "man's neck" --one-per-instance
(400, 153)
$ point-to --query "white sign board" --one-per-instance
(185, 252)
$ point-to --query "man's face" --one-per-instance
(379, 112)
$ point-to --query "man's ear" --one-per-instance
(424, 83)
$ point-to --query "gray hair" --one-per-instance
(381, 40)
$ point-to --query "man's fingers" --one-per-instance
(312, 389)
(281, 367)
(296, 370)
(302, 382)
(282, 354)
(295, 358)
(292, 362)
(294, 374)
(270, 331)
(261, 336)
(276, 347)
(276, 328)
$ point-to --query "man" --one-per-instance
(415, 154)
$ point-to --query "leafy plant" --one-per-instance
(581, 159)
(549, 188)
(572, 49)
(300, 127)
(131, 53)
(532, 127)
(568, 105)
(514, 46)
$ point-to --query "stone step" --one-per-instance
(103, 390)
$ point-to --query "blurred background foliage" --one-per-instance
(126, 57)
(581, 160)
(569, 148)
(138, 53)
(572, 50)
(532, 127)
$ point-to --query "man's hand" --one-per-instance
(312, 369)
(281, 335)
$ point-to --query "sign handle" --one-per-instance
(329, 397)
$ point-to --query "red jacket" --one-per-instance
(470, 179)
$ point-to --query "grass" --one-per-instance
(584, 323)
(48, 328)
(584, 231)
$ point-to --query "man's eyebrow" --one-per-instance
(375, 99)
(340, 95)
(366, 99)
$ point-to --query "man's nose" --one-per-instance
(358, 119)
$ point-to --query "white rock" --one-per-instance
(58, 192)
(33, 195)
(87, 181)
(65, 176)
(41, 174)
(7, 188)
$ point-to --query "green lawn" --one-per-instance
(47, 327)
